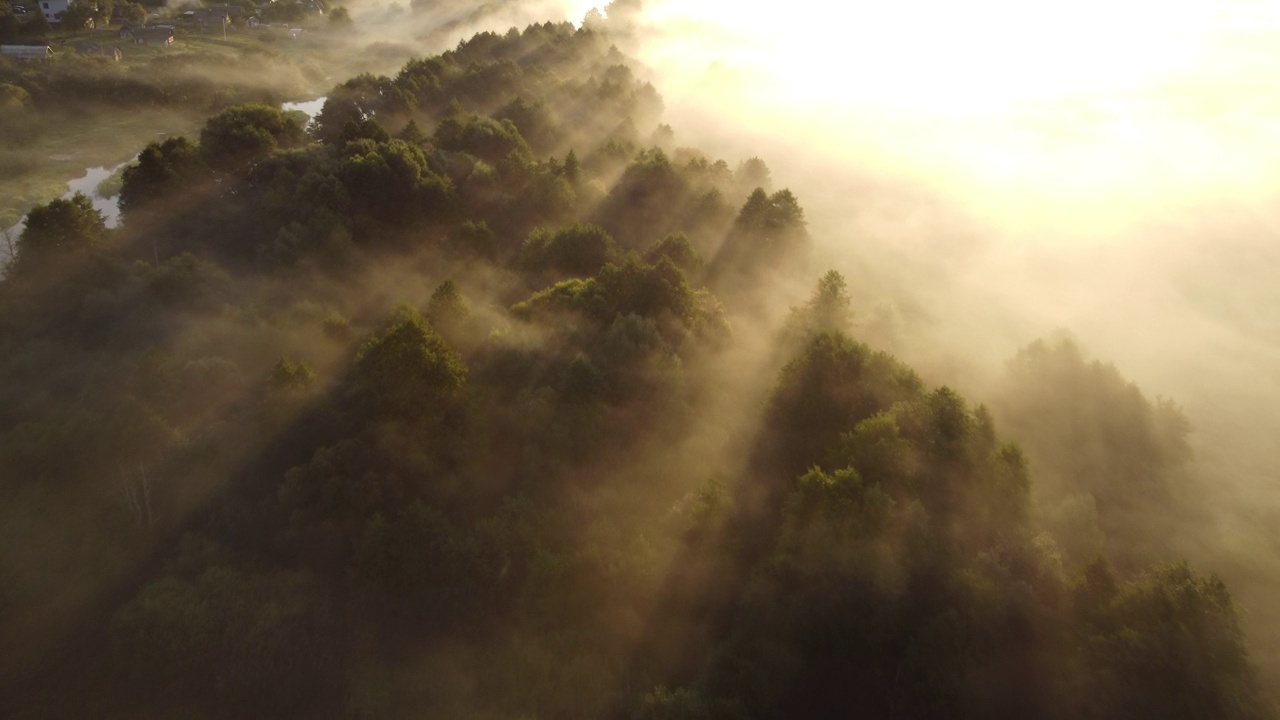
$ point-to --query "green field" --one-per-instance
(54, 142)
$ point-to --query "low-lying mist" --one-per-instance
(679, 360)
(991, 173)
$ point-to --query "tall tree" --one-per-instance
(76, 17)
(36, 26)
(241, 133)
(134, 13)
(57, 229)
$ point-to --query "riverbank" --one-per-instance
(101, 183)
(39, 170)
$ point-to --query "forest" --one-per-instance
(87, 107)
(470, 398)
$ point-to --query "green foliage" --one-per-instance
(361, 98)
(10, 27)
(703, 512)
(406, 369)
(447, 311)
(288, 11)
(36, 27)
(1169, 646)
(412, 134)
(133, 12)
(390, 183)
(58, 230)
(771, 220)
(490, 140)
(188, 282)
(163, 171)
(656, 292)
(565, 296)
(546, 198)
(337, 328)
(254, 641)
(679, 704)
(44, 448)
(472, 238)
(366, 129)
(581, 250)
(753, 173)
(372, 532)
(839, 497)
(240, 134)
(876, 449)
(835, 384)
(828, 310)
(340, 16)
(1090, 404)
(288, 377)
(429, 569)
(768, 232)
(340, 483)
(409, 556)
(647, 201)
(535, 122)
(1090, 432)
(13, 98)
(829, 306)
(572, 168)
(76, 17)
(678, 250)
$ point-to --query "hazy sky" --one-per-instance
(1108, 167)
(1120, 104)
(1113, 126)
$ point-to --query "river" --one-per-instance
(109, 205)
(310, 107)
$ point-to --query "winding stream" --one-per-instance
(310, 107)
(109, 205)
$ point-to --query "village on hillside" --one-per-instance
(42, 30)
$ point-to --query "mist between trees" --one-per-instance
(476, 398)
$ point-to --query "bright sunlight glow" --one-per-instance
(1122, 105)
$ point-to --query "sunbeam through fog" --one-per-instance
(1005, 170)
(667, 359)
(1122, 107)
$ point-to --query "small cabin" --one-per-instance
(161, 36)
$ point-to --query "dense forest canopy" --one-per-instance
(461, 400)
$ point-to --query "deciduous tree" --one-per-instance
(57, 229)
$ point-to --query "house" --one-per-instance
(161, 36)
(92, 48)
(26, 52)
(155, 35)
(52, 9)
(205, 16)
